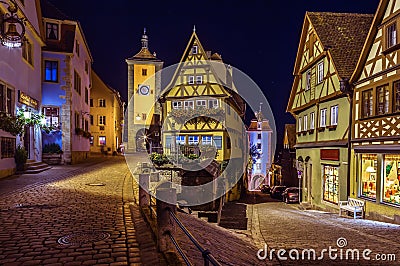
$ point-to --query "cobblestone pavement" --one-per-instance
(74, 215)
(283, 226)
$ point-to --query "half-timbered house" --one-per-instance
(329, 47)
(376, 140)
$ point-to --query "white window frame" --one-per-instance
(206, 140)
(213, 103)
(190, 79)
(334, 115)
(181, 140)
(322, 118)
(176, 105)
(195, 49)
(305, 123)
(308, 80)
(199, 79)
(259, 125)
(193, 140)
(320, 75)
(299, 124)
(392, 35)
(258, 166)
(312, 120)
(201, 103)
(188, 105)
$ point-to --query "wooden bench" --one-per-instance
(352, 205)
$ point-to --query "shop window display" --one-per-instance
(331, 183)
(391, 188)
(368, 175)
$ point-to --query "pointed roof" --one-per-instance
(343, 34)
(144, 54)
(379, 15)
(289, 139)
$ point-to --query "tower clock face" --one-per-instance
(144, 89)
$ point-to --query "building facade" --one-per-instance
(66, 84)
(20, 85)
(201, 111)
(328, 52)
(106, 117)
(144, 86)
(260, 136)
(376, 116)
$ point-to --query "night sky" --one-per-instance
(259, 37)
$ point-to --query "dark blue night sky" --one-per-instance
(259, 37)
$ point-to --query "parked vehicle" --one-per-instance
(291, 194)
(277, 191)
(266, 189)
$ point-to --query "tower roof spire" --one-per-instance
(145, 39)
(194, 28)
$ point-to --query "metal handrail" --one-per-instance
(206, 254)
(180, 251)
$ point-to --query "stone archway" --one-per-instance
(256, 181)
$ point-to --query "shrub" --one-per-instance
(21, 155)
(52, 148)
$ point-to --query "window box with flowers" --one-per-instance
(190, 116)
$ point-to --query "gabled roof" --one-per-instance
(289, 139)
(379, 14)
(144, 54)
(343, 34)
(264, 126)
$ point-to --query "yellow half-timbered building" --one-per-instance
(201, 110)
(376, 140)
(329, 47)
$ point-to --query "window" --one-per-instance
(102, 140)
(218, 142)
(86, 95)
(228, 109)
(102, 120)
(258, 166)
(27, 51)
(86, 125)
(199, 79)
(2, 98)
(144, 72)
(194, 49)
(193, 140)
(259, 125)
(144, 116)
(91, 120)
(320, 72)
(368, 175)
(6, 99)
(308, 80)
(391, 173)
(91, 140)
(188, 104)
(206, 140)
(191, 80)
(7, 147)
(201, 103)
(181, 140)
(305, 123)
(331, 183)
(259, 136)
(322, 121)
(177, 105)
(213, 103)
(52, 116)
(312, 120)
(396, 96)
(86, 67)
(77, 82)
(334, 115)
(299, 124)
(77, 125)
(102, 102)
(51, 31)
(383, 100)
(77, 47)
(91, 102)
(367, 104)
(51, 71)
(391, 35)
(259, 146)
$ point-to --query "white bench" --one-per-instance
(353, 205)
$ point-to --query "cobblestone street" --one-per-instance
(72, 215)
(284, 226)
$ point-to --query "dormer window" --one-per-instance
(259, 125)
(195, 49)
(391, 35)
(51, 31)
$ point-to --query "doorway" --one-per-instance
(27, 140)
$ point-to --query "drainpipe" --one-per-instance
(345, 87)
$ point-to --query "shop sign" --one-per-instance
(330, 154)
(28, 100)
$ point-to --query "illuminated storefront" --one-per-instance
(331, 183)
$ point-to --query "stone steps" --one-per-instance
(233, 216)
(34, 167)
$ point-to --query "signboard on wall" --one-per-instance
(330, 154)
(28, 100)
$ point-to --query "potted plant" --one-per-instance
(21, 156)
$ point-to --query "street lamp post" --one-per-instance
(12, 29)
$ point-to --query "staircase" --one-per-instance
(233, 216)
(34, 167)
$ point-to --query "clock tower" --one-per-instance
(144, 86)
